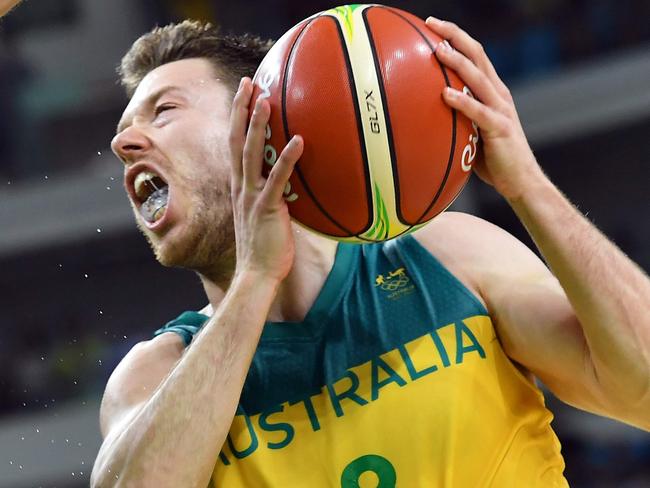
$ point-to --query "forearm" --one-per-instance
(188, 418)
(7, 5)
(609, 293)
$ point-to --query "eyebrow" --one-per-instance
(148, 102)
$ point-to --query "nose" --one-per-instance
(130, 144)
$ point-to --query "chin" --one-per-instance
(197, 249)
(169, 250)
(168, 255)
(167, 258)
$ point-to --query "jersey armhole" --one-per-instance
(413, 246)
(186, 325)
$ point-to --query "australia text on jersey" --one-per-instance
(357, 387)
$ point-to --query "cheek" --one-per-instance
(218, 156)
(204, 164)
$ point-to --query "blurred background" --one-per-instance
(79, 286)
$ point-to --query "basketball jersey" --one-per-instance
(395, 378)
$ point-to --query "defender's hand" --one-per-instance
(262, 224)
(508, 162)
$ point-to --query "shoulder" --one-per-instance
(186, 325)
(477, 251)
(137, 376)
(450, 228)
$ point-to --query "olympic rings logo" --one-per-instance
(395, 280)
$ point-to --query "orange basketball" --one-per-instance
(383, 153)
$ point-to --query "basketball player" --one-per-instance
(405, 363)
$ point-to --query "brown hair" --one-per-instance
(233, 56)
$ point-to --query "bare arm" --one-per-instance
(588, 336)
(188, 416)
(536, 323)
(7, 5)
(609, 294)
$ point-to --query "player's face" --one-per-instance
(172, 139)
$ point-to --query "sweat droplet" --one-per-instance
(85, 275)
(99, 230)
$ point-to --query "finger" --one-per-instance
(254, 146)
(238, 122)
(475, 79)
(278, 179)
(470, 47)
(491, 122)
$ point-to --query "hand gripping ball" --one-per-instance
(383, 153)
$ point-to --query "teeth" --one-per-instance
(146, 183)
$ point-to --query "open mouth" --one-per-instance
(152, 192)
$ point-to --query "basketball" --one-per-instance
(383, 154)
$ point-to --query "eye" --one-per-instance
(163, 108)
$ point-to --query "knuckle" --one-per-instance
(507, 94)
(237, 100)
(249, 153)
(256, 119)
(483, 111)
(240, 104)
(272, 179)
(259, 114)
(503, 126)
(258, 122)
(478, 47)
(466, 64)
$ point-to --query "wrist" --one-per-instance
(538, 199)
(531, 184)
(249, 277)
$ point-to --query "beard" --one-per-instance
(207, 243)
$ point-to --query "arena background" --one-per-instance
(78, 284)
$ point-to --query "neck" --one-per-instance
(313, 261)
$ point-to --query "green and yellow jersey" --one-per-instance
(395, 378)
